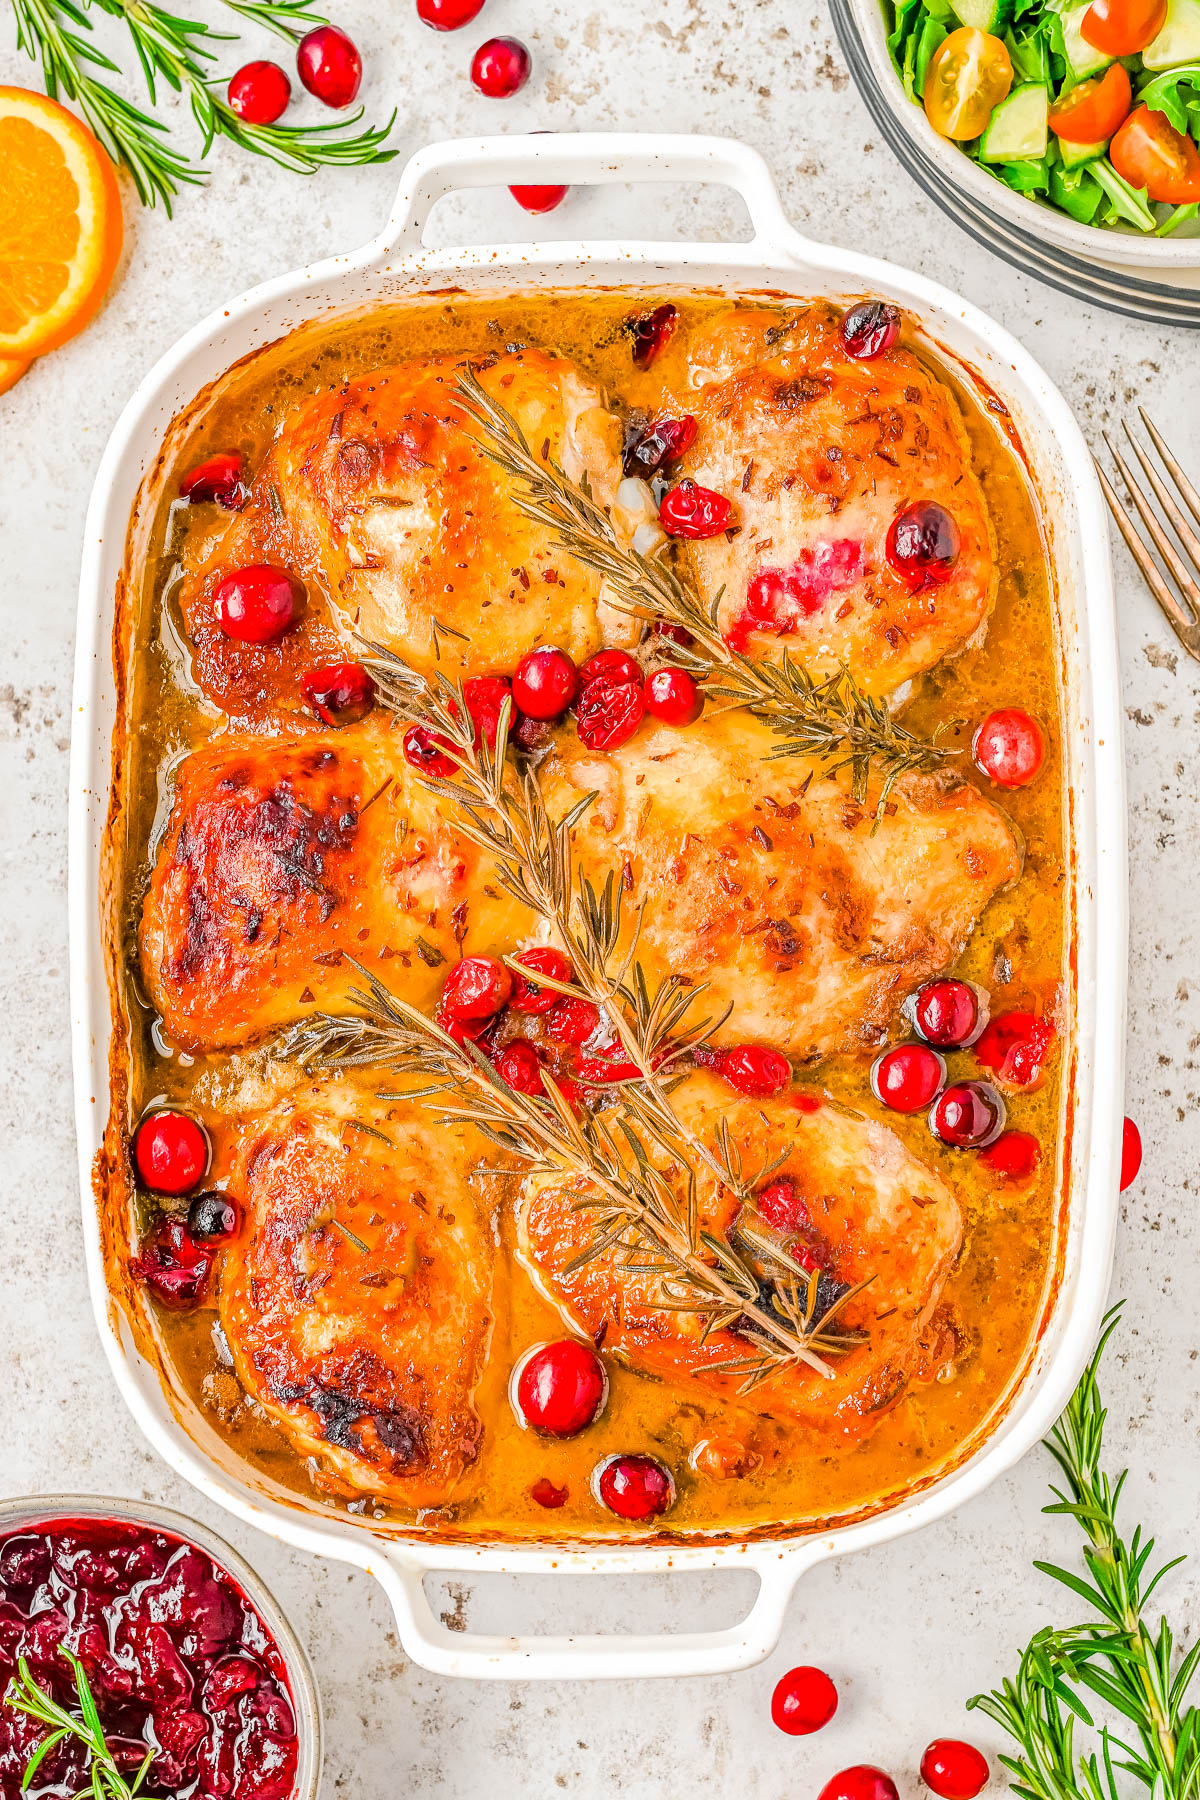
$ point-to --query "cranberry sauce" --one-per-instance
(177, 1658)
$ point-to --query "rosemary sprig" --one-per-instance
(105, 1778)
(623, 1157)
(177, 52)
(832, 721)
(1127, 1661)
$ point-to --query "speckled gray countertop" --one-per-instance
(910, 1630)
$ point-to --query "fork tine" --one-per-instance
(1162, 543)
(1141, 556)
(1183, 530)
(1191, 498)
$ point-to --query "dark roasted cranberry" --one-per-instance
(330, 66)
(1131, 1153)
(749, 1068)
(539, 199)
(485, 696)
(1015, 1155)
(1015, 1047)
(572, 1021)
(219, 479)
(561, 1388)
(946, 1013)
(615, 665)
(968, 1115)
(804, 1700)
(174, 1264)
(518, 1065)
(908, 1077)
(259, 93)
(476, 988)
(782, 1204)
(501, 67)
(636, 1487)
(339, 693)
(530, 735)
(1009, 747)
(870, 328)
(448, 15)
(531, 996)
(922, 544)
(545, 683)
(650, 333)
(427, 751)
(213, 1215)
(171, 1152)
(257, 604)
(954, 1770)
(609, 712)
(673, 697)
(690, 511)
(658, 444)
(861, 1782)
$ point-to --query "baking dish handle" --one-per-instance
(581, 159)
(433, 1644)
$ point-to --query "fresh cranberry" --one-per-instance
(572, 1021)
(1015, 1047)
(673, 696)
(650, 333)
(518, 1065)
(561, 1388)
(636, 1487)
(955, 1770)
(908, 1077)
(861, 1782)
(611, 665)
(609, 712)
(690, 511)
(531, 996)
(803, 1701)
(782, 1205)
(476, 988)
(174, 1264)
(545, 683)
(257, 604)
(947, 1013)
(922, 544)
(213, 1215)
(219, 479)
(1015, 1155)
(547, 1495)
(339, 693)
(539, 199)
(426, 750)
(968, 1115)
(171, 1152)
(749, 1069)
(259, 93)
(501, 67)
(448, 15)
(1009, 747)
(869, 329)
(665, 441)
(485, 696)
(330, 65)
(1131, 1153)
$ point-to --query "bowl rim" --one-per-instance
(1096, 242)
(47, 1509)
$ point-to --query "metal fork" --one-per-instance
(1182, 609)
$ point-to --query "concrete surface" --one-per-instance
(908, 1631)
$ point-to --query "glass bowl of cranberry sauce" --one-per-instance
(184, 1650)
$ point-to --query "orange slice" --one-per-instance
(60, 224)
(11, 370)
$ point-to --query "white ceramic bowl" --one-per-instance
(776, 259)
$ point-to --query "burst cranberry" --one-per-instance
(908, 1077)
(257, 604)
(1015, 1156)
(339, 693)
(922, 544)
(501, 67)
(485, 696)
(611, 665)
(690, 511)
(259, 93)
(1009, 747)
(1015, 1047)
(803, 1701)
(572, 1021)
(330, 66)
(636, 1487)
(171, 1152)
(947, 1013)
(476, 988)
(665, 441)
(955, 1770)
(547, 1495)
(463, 1031)
(219, 479)
(610, 712)
(673, 696)
(869, 329)
(426, 750)
(861, 1782)
(545, 683)
(968, 1115)
(518, 1065)
(650, 333)
(213, 1215)
(539, 199)
(448, 15)
(610, 1065)
(749, 1069)
(1131, 1153)
(174, 1264)
(561, 1388)
(782, 1205)
(530, 996)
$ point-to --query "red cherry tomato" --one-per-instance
(1123, 27)
(1015, 1047)
(1151, 154)
(690, 511)
(953, 1769)
(171, 1152)
(1009, 747)
(1091, 112)
(803, 1701)
(1131, 1153)
(862, 1782)
(561, 1388)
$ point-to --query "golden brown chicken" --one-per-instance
(355, 1299)
(847, 1200)
(819, 454)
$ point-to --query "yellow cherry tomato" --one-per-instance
(969, 75)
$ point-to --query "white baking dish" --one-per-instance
(397, 264)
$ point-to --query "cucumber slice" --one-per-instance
(1083, 59)
(1074, 156)
(1016, 131)
(1179, 40)
(986, 15)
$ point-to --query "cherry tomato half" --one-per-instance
(970, 74)
(1092, 111)
(1151, 154)
(1121, 27)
